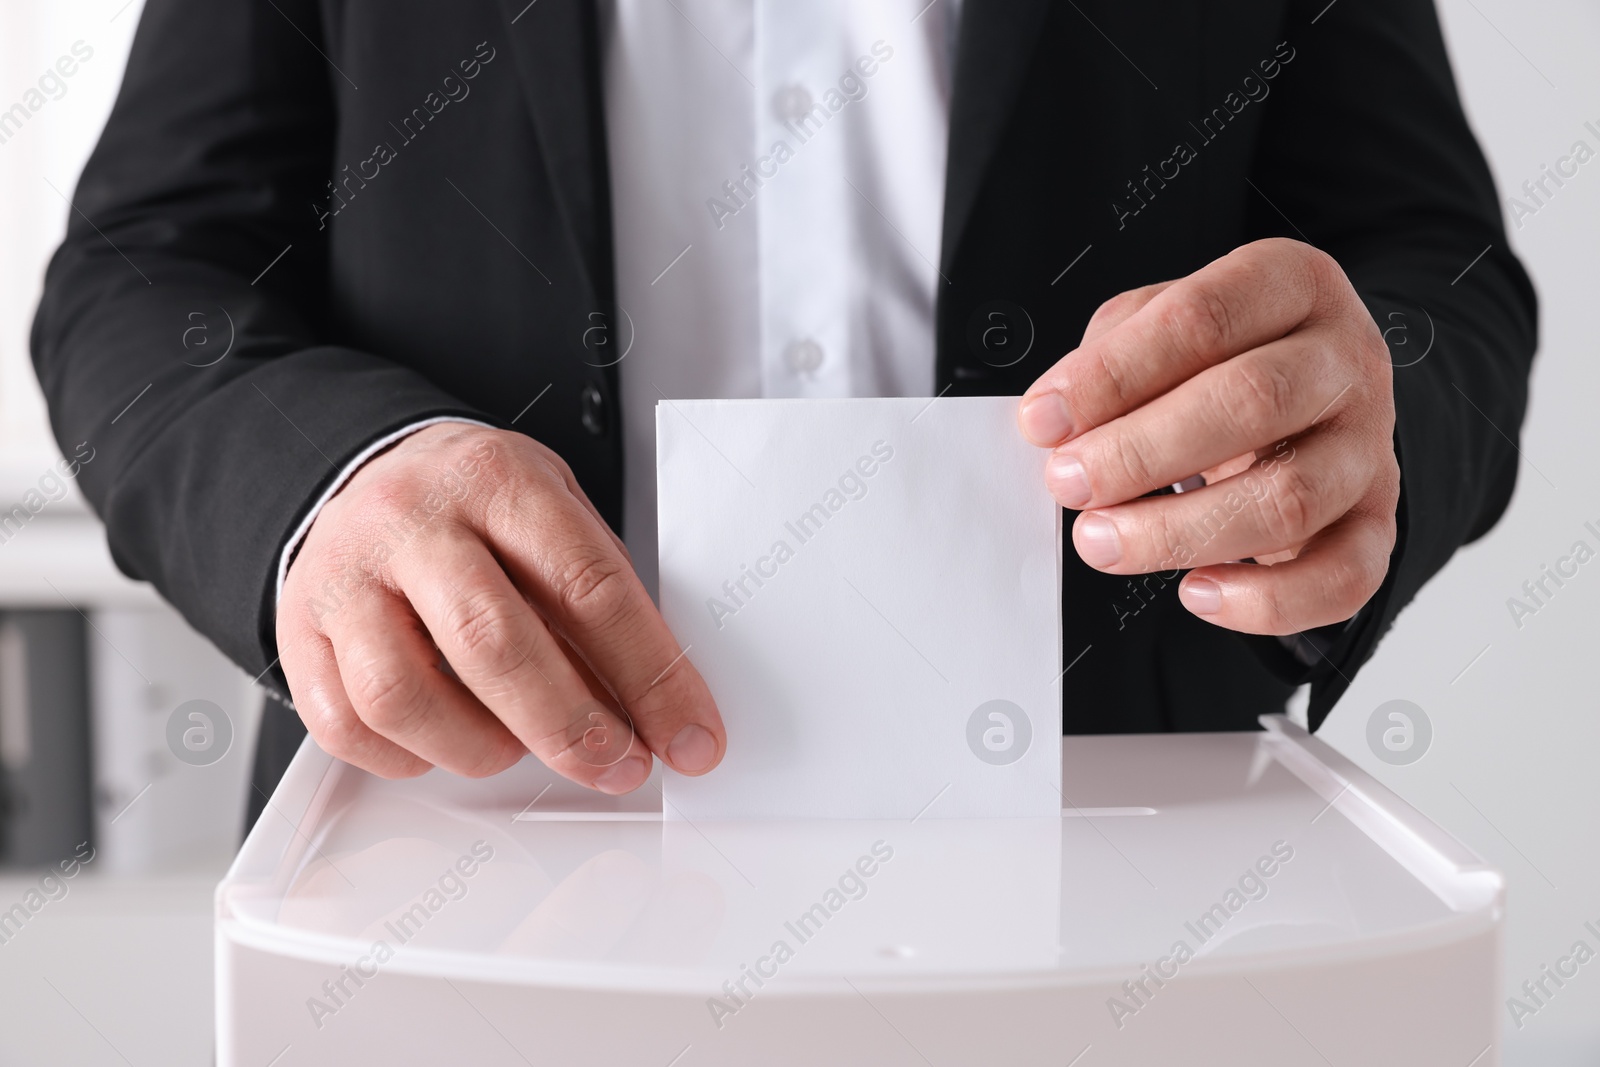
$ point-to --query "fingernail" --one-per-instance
(1067, 481)
(1097, 541)
(692, 750)
(1201, 596)
(1045, 419)
(623, 777)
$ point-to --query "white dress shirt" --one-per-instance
(777, 193)
(777, 180)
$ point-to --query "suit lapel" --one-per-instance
(556, 45)
(993, 52)
(557, 52)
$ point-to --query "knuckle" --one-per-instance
(556, 468)
(1389, 486)
(1110, 372)
(1353, 580)
(1174, 540)
(1261, 612)
(1290, 510)
(392, 698)
(1376, 570)
(297, 643)
(300, 612)
(503, 503)
(593, 586)
(673, 697)
(438, 480)
(338, 734)
(338, 562)
(1273, 620)
(1385, 527)
(561, 738)
(495, 474)
(390, 496)
(672, 682)
(1321, 272)
(1362, 353)
(511, 489)
(592, 734)
(395, 513)
(1387, 530)
(1200, 317)
(1125, 468)
(389, 490)
(1116, 308)
(1259, 394)
(493, 759)
(480, 627)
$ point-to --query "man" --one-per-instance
(458, 252)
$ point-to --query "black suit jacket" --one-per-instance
(1129, 141)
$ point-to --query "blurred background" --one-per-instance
(103, 688)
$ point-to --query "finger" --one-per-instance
(1234, 408)
(503, 653)
(319, 696)
(1253, 295)
(558, 554)
(1119, 309)
(1336, 573)
(1281, 502)
(598, 734)
(1039, 415)
(391, 672)
(583, 498)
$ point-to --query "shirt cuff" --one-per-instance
(345, 475)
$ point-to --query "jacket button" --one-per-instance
(594, 410)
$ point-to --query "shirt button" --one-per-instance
(804, 356)
(791, 102)
(593, 408)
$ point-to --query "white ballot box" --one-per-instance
(1246, 898)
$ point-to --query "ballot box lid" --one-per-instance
(1238, 850)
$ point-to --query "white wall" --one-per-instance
(1514, 767)
(49, 150)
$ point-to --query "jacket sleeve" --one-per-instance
(1366, 153)
(195, 213)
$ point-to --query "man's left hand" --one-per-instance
(1264, 372)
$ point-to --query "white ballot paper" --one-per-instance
(872, 590)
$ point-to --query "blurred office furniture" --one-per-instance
(44, 737)
(92, 637)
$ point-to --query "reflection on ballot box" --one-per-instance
(1241, 898)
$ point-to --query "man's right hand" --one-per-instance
(460, 602)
